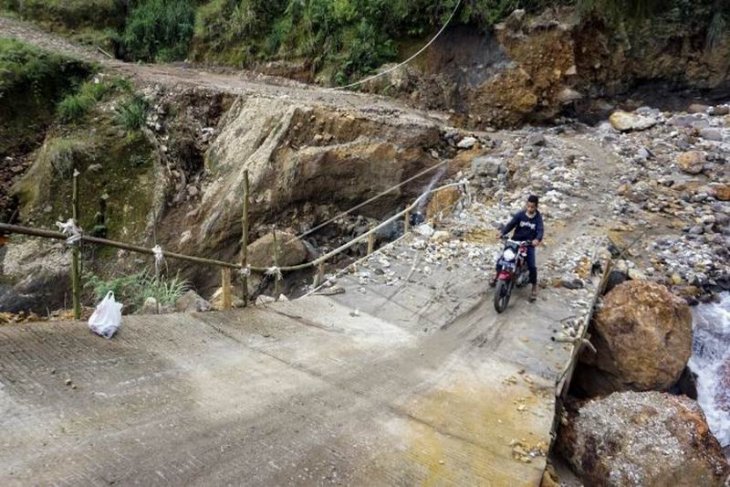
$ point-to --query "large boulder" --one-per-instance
(642, 439)
(643, 337)
(34, 275)
(291, 250)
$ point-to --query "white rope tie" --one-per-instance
(275, 272)
(70, 229)
(245, 271)
(159, 258)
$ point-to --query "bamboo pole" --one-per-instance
(76, 252)
(244, 238)
(319, 278)
(37, 232)
(277, 280)
(226, 289)
(371, 241)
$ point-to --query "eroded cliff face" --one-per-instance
(305, 163)
(531, 69)
(179, 181)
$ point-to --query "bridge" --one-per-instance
(396, 371)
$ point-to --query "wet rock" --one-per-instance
(645, 439)
(691, 162)
(643, 335)
(191, 302)
(720, 110)
(627, 122)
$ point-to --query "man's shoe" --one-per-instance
(533, 296)
(493, 282)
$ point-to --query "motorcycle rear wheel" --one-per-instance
(502, 294)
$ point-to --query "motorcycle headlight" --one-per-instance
(509, 254)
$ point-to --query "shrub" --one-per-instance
(131, 114)
(159, 30)
(74, 107)
(133, 290)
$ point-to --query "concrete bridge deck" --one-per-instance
(394, 382)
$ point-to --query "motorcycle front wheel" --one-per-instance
(502, 294)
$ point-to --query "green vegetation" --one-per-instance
(344, 39)
(134, 289)
(131, 114)
(159, 30)
(76, 105)
(34, 81)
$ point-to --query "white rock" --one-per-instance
(467, 143)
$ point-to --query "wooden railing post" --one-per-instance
(76, 251)
(244, 239)
(277, 277)
(371, 241)
(407, 225)
(226, 289)
(319, 277)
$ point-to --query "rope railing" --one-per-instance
(157, 252)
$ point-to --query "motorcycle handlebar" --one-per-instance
(516, 242)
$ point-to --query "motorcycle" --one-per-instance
(513, 272)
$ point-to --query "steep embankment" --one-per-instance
(311, 153)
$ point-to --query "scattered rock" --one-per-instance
(698, 108)
(262, 300)
(216, 300)
(191, 302)
(720, 110)
(626, 122)
(441, 236)
(149, 307)
(487, 166)
(722, 192)
(711, 134)
(645, 439)
(467, 143)
(424, 230)
(691, 162)
(643, 334)
(536, 140)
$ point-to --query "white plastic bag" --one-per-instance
(107, 317)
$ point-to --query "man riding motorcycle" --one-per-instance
(528, 226)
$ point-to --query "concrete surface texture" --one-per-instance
(407, 381)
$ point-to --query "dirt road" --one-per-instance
(224, 81)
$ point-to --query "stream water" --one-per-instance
(711, 362)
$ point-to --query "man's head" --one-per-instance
(532, 202)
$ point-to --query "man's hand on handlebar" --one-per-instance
(535, 243)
